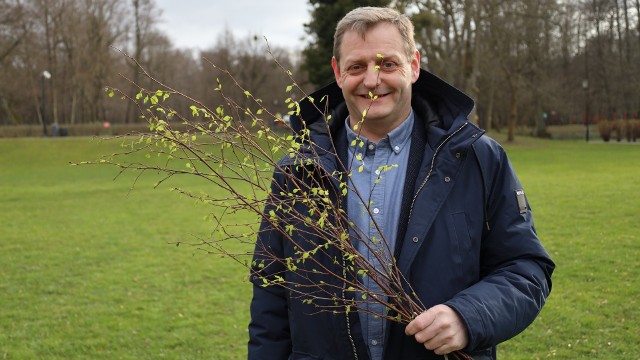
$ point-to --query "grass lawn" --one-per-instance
(586, 203)
(87, 269)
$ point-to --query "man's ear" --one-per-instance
(336, 71)
(415, 67)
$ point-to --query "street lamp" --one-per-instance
(585, 86)
(45, 76)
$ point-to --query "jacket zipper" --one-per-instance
(344, 285)
(433, 161)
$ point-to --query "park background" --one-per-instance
(88, 269)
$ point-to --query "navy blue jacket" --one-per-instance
(466, 238)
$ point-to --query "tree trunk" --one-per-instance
(513, 115)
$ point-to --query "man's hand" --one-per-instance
(439, 329)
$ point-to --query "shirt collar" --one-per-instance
(397, 139)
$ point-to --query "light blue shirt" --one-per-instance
(377, 173)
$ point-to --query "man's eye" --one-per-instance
(388, 65)
(355, 68)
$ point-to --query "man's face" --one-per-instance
(358, 76)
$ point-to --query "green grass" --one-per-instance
(87, 270)
(586, 203)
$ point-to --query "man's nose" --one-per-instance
(371, 77)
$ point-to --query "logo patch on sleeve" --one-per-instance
(522, 201)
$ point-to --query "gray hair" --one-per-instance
(362, 19)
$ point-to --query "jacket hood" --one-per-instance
(439, 102)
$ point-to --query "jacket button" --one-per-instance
(458, 155)
(415, 239)
(447, 179)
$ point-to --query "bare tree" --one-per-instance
(145, 36)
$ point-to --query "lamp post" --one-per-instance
(585, 86)
(45, 76)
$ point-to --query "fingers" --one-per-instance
(420, 323)
(439, 329)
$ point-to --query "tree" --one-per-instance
(448, 38)
(144, 34)
(250, 60)
(324, 18)
(14, 29)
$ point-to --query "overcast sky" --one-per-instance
(197, 23)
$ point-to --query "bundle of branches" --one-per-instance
(235, 149)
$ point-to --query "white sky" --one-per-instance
(198, 23)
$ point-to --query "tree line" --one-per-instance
(87, 46)
(525, 62)
(536, 62)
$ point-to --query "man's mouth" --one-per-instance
(375, 96)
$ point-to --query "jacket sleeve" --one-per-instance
(269, 335)
(515, 268)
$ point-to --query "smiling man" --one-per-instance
(451, 211)
(376, 60)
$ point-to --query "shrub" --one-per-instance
(632, 130)
(605, 127)
(618, 127)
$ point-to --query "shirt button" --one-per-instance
(376, 210)
(377, 171)
(447, 179)
(371, 146)
(458, 155)
(396, 148)
(415, 239)
(374, 342)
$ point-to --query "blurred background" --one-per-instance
(540, 68)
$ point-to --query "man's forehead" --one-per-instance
(371, 44)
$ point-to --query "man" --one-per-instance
(447, 203)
